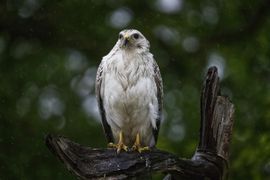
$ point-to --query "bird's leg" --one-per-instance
(120, 144)
(137, 145)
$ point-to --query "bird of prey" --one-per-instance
(129, 91)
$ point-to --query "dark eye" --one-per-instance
(136, 36)
(120, 36)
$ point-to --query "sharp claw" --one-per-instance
(146, 148)
(140, 149)
(120, 145)
(133, 148)
(137, 145)
(125, 148)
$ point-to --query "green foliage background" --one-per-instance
(49, 52)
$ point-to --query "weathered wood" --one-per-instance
(209, 95)
(216, 123)
(209, 161)
(89, 163)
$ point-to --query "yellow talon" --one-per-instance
(120, 144)
(137, 145)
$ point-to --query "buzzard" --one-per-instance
(129, 92)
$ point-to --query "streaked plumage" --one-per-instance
(129, 91)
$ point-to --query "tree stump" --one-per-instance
(210, 160)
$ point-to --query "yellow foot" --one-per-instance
(137, 145)
(120, 145)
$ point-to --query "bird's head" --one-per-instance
(132, 39)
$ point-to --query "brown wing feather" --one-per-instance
(106, 127)
(159, 85)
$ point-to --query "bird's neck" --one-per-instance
(134, 51)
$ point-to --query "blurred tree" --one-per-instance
(49, 52)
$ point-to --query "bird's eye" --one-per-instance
(136, 36)
(120, 36)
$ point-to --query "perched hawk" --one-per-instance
(129, 92)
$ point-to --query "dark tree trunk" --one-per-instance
(210, 160)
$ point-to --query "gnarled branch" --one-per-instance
(209, 161)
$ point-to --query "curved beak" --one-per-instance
(126, 41)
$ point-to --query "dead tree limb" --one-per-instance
(209, 161)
